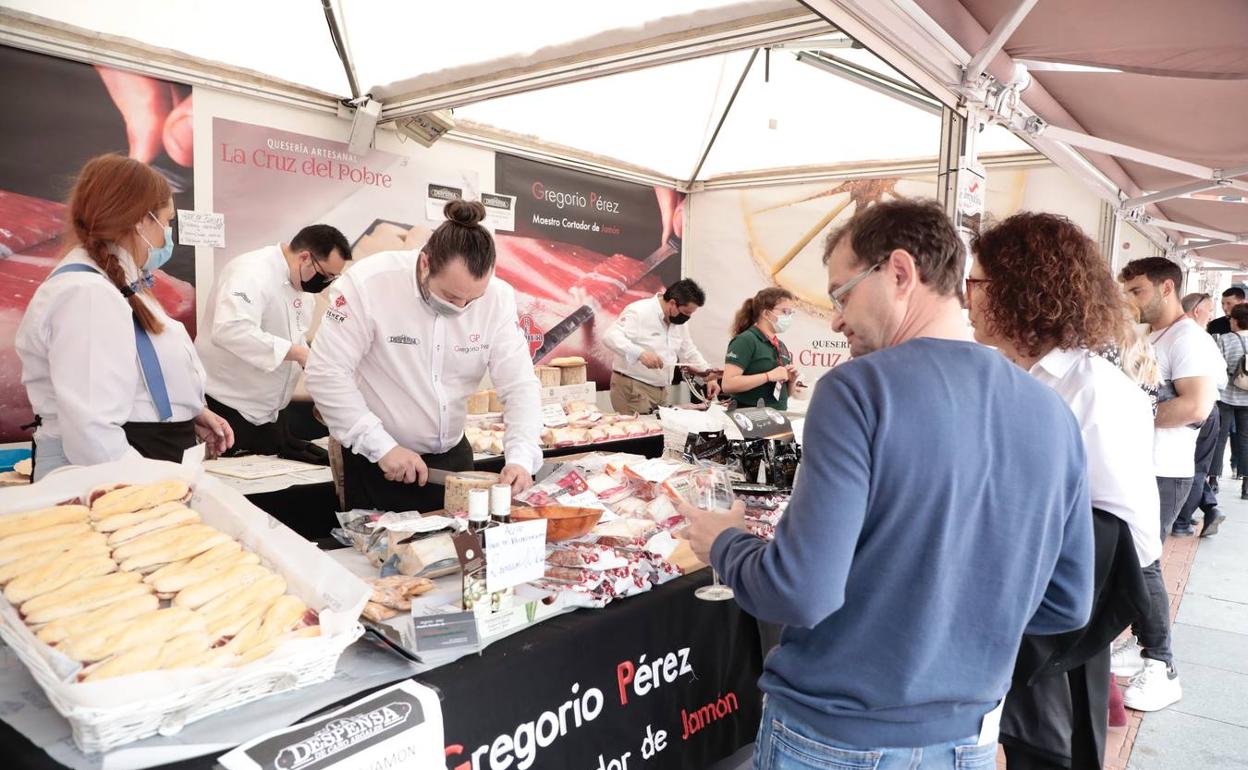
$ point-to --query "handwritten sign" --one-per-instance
(515, 554)
(500, 211)
(201, 228)
(553, 415)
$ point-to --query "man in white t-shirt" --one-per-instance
(1189, 363)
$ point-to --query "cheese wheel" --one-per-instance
(30, 521)
(457, 487)
(139, 496)
(123, 520)
(59, 630)
(548, 376)
(36, 560)
(573, 375)
(496, 405)
(568, 361)
(52, 576)
(479, 403)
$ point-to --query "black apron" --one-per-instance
(366, 487)
(161, 440)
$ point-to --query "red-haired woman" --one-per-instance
(107, 371)
(757, 365)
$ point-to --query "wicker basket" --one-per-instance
(102, 729)
(115, 712)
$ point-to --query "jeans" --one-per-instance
(1153, 630)
(785, 744)
(1200, 495)
(1234, 421)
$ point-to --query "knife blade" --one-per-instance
(438, 476)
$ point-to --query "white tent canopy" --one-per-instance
(638, 91)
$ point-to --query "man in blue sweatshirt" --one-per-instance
(941, 512)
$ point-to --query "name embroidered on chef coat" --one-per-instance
(402, 339)
(243, 296)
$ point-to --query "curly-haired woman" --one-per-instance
(1040, 293)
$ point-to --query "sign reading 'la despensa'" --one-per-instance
(400, 726)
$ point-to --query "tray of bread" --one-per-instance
(143, 596)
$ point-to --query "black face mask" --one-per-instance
(679, 318)
(317, 283)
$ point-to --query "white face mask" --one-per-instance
(438, 305)
(783, 322)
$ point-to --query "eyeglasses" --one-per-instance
(840, 295)
(316, 268)
(972, 283)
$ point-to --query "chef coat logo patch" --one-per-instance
(532, 332)
(339, 301)
(474, 338)
(298, 303)
(333, 315)
(472, 348)
(243, 296)
(402, 339)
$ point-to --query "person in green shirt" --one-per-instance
(758, 365)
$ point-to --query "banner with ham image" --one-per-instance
(62, 114)
(584, 247)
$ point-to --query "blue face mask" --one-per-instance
(157, 257)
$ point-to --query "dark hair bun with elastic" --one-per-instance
(467, 213)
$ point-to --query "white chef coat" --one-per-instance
(387, 371)
(81, 367)
(1116, 420)
(254, 317)
(643, 326)
(1183, 350)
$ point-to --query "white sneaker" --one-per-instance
(1127, 660)
(1154, 688)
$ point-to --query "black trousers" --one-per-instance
(1201, 495)
(1079, 702)
(366, 486)
(273, 438)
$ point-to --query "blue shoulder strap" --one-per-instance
(149, 362)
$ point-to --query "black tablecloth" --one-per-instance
(308, 509)
(703, 706)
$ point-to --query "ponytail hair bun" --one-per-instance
(466, 213)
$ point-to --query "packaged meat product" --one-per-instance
(633, 507)
(575, 575)
(566, 481)
(608, 489)
(585, 556)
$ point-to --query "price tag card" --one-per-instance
(553, 415)
(451, 632)
(500, 211)
(201, 228)
(400, 726)
(515, 554)
(436, 199)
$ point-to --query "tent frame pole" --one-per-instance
(881, 84)
(996, 41)
(723, 117)
(340, 46)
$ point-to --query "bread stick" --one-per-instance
(123, 520)
(197, 595)
(29, 521)
(36, 560)
(59, 630)
(52, 576)
(137, 497)
(174, 518)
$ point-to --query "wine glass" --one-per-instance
(713, 488)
